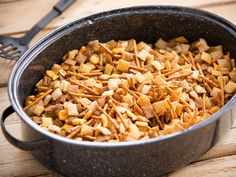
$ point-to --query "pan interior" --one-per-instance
(142, 23)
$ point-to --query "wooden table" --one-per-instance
(17, 16)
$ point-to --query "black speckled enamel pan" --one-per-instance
(141, 158)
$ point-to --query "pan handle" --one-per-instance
(27, 146)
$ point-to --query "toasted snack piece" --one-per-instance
(104, 130)
(230, 87)
(140, 77)
(86, 130)
(54, 128)
(63, 114)
(156, 64)
(159, 106)
(108, 69)
(123, 65)
(202, 45)
(51, 74)
(94, 59)
(161, 44)
(46, 121)
(206, 57)
(38, 110)
(71, 108)
(143, 100)
(199, 89)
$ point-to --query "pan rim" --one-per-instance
(70, 26)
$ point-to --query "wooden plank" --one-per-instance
(225, 147)
(77, 10)
(219, 167)
(21, 23)
(81, 8)
(16, 159)
(227, 11)
(13, 158)
(5, 71)
(24, 168)
(4, 100)
(215, 4)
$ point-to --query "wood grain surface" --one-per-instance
(18, 16)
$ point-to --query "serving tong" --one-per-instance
(13, 48)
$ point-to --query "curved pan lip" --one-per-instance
(67, 28)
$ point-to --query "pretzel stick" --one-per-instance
(209, 81)
(109, 117)
(84, 95)
(73, 133)
(138, 109)
(186, 104)
(192, 60)
(180, 76)
(135, 54)
(100, 59)
(106, 49)
(92, 74)
(185, 58)
(164, 71)
(77, 74)
(204, 79)
(85, 87)
(222, 91)
(133, 67)
(158, 120)
(121, 117)
(172, 109)
(229, 61)
(204, 104)
(138, 69)
(172, 72)
(130, 92)
(38, 99)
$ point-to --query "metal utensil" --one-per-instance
(13, 48)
